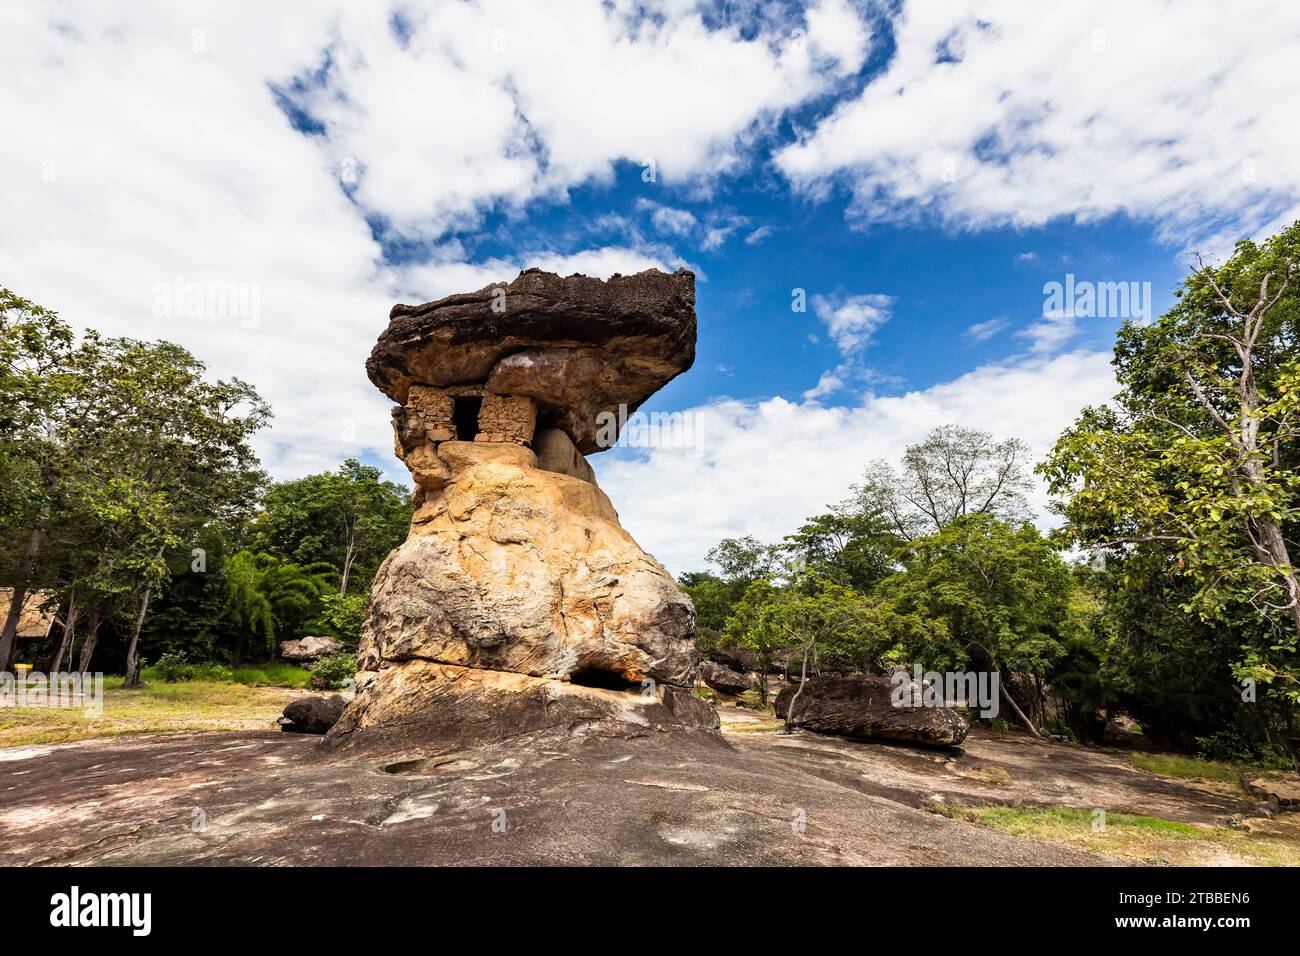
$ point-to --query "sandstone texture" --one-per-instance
(517, 592)
(628, 798)
(863, 707)
(740, 659)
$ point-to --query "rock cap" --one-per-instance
(577, 345)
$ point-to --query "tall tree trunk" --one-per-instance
(22, 578)
(132, 649)
(69, 634)
(348, 558)
(803, 679)
(92, 635)
(1280, 556)
(1016, 707)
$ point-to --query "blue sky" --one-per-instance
(920, 171)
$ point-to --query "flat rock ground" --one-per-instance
(753, 798)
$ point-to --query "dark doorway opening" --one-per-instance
(464, 415)
(607, 680)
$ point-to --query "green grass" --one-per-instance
(1188, 768)
(1028, 821)
(1139, 838)
(274, 674)
(270, 674)
(155, 708)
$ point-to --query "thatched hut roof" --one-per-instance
(37, 618)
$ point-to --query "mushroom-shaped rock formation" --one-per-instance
(517, 599)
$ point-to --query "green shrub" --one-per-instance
(170, 668)
(335, 669)
(343, 616)
(174, 668)
(1228, 745)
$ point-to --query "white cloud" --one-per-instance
(677, 222)
(983, 331)
(1052, 332)
(146, 143)
(828, 384)
(758, 235)
(505, 101)
(991, 113)
(761, 467)
(852, 320)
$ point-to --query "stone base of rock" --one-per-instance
(428, 706)
(863, 707)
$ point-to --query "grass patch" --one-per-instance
(156, 708)
(757, 727)
(1132, 837)
(274, 674)
(1188, 768)
(270, 674)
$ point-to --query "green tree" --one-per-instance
(1196, 457)
(1000, 591)
(851, 547)
(952, 473)
(350, 518)
(750, 625)
(40, 400)
(267, 598)
(177, 447)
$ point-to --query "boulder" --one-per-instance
(863, 707)
(309, 648)
(421, 705)
(1281, 790)
(312, 715)
(724, 679)
(737, 658)
(556, 452)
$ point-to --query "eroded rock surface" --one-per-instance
(309, 648)
(517, 582)
(597, 795)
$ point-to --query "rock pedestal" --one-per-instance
(518, 600)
